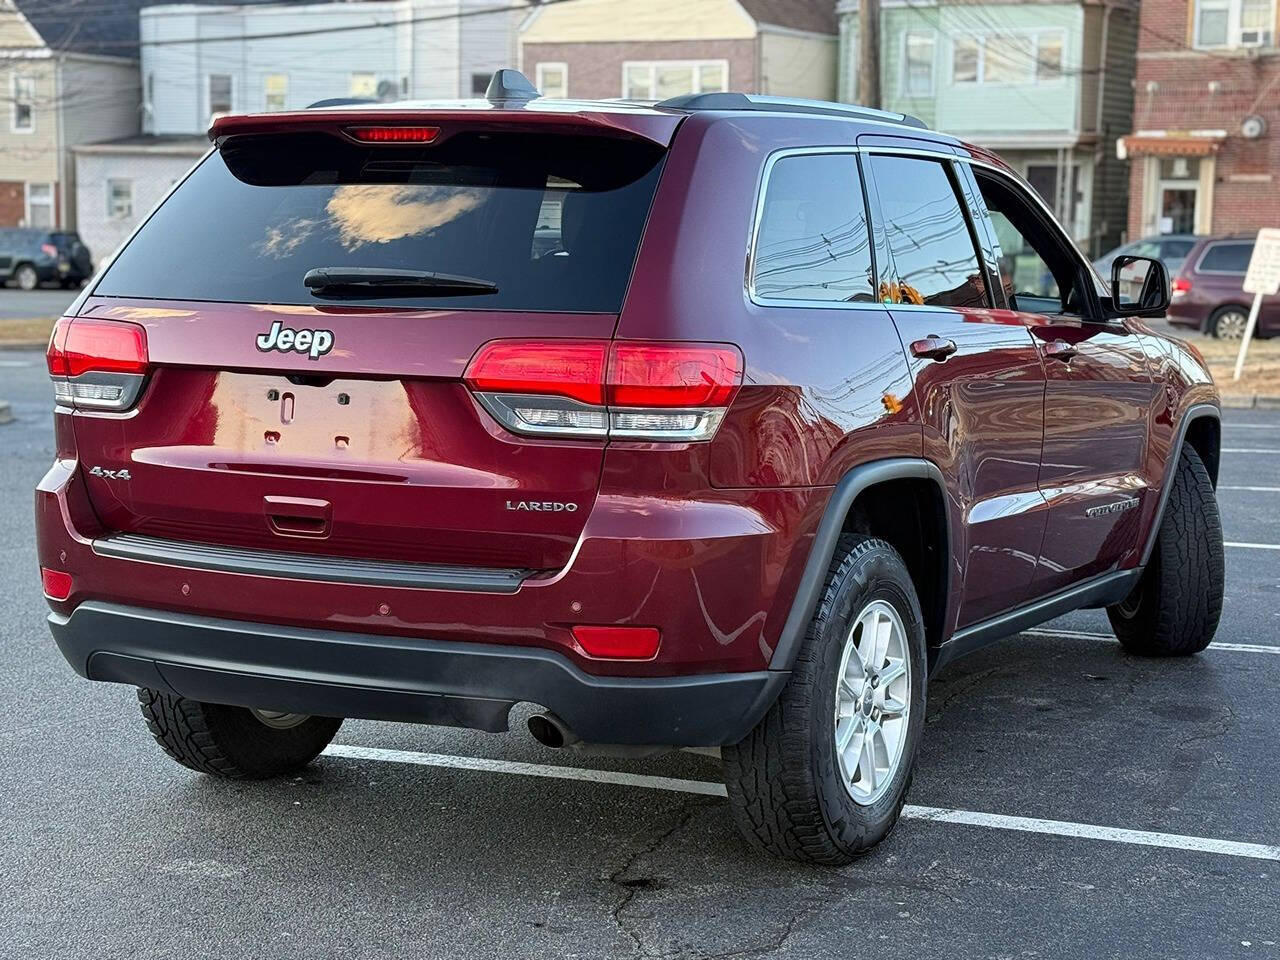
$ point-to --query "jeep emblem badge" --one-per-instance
(314, 343)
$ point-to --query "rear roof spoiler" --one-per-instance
(555, 117)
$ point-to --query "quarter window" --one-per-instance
(934, 257)
(1226, 258)
(812, 241)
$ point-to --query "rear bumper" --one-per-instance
(328, 672)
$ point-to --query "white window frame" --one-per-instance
(1235, 18)
(14, 82)
(980, 38)
(208, 91)
(266, 93)
(904, 77)
(540, 74)
(27, 205)
(112, 212)
(695, 67)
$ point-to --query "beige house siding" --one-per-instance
(29, 156)
(594, 21)
(15, 31)
(595, 69)
(794, 64)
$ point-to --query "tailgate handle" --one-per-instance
(298, 516)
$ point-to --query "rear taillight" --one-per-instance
(1181, 286)
(49, 250)
(97, 364)
(637, 390)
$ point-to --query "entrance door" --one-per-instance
(1178, 195)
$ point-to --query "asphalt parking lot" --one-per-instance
(1070, 801)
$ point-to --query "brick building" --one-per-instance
(1205, 151)
(662, 48)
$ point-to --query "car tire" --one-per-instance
(788, 791)
(1174, 609)
(26, 277)
(234, 742)
(1228, 323)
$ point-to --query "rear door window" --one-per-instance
(553, 221)
(1226, 258)
(934, 255)
(812, 242)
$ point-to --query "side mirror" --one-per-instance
(1139, 287)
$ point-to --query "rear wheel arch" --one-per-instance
(900, 500)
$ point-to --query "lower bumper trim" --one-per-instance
(333, 673)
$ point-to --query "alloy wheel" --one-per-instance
(278, 720)
(1230, 324)
(873, 702)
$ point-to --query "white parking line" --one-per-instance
(973, 818)
(1251, 426)
(1253, 489)
(1083, 635)
(1251, 546)
(1249, 450)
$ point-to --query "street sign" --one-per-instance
(1264, 267)
(1262, 279)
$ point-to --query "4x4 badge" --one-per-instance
(111, 474)
(314, 343)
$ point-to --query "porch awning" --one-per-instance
(1171, 146)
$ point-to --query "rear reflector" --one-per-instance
(97, 363)
(57, 584)
(393, 134)
(638, 390)
(618, 643)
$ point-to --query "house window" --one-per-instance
(219, 93)
(660, 79)
(917, 63)
(1234, 23)
(120, 199)
(39, 205)
(480, 84)
(275, 89)
(553, 79)
(1010, 57)
(363, 85)
(24, 98)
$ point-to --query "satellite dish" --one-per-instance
(1253, 127)
(388, 91)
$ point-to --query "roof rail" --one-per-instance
(340, 102)
(745, 101)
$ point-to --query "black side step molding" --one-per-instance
(1099, 592)
(828, 533)
(298, 566)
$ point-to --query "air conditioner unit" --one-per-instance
(1255, 38)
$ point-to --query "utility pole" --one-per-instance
(869, 53)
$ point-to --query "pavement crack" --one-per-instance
(778, 940)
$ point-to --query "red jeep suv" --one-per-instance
(721, 422)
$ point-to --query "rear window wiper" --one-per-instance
(382, 282)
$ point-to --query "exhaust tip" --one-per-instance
(549, 731)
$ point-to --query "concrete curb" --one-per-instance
(6, 414)
(1252, 401)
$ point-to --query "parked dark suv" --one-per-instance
(766, 436)
(30, 257)
(1208, 292)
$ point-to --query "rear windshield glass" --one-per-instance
(553, 222)
(1227, 258)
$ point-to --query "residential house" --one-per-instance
(1205, 152)
(652, 50)
(1048, 85)
(267, 57)
(66, 82)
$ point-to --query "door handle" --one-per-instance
(933, 347)
(1060, 350)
